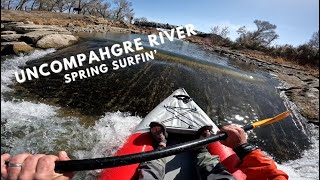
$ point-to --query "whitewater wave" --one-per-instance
(11, 65)
(39, 128)
(307, 167)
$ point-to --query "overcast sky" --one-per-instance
(296, 20)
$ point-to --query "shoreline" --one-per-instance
(299, 84)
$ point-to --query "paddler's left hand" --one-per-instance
(28, 166)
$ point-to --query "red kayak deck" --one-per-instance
(142, 142)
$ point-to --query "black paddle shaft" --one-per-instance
(107, 162)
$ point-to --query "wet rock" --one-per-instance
(56, 41)
(15, 47)
(8, 32)
(10, 37)
(34, 36)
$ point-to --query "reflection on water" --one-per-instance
(230, 92)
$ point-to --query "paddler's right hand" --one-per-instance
(236, 136)
(37, 166)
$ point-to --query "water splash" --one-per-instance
(39, 128)
(109, 134)
(11, 65)
(307, 167)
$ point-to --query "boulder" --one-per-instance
(8, 32)
(15, 47)
(34, 36)
(56, 41)
(22, 48)
(10, 37)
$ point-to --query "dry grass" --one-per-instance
(48, 18)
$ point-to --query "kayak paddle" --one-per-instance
(108, 162)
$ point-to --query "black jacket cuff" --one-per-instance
(243, 150)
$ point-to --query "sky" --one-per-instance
(296, 20)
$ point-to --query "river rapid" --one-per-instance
(92, 117)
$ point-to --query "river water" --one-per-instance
(92, 117)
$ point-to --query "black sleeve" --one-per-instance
(244, 150)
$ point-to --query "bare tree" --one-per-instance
(314, 41)
(33, 5)
(123, 10)
(21, 4)
(215, 30)
(70, 4)
(103, 10)
(264, 29)
(223, 32)
(219, 35)
(262, 36)
(6, 4)
(242, 30)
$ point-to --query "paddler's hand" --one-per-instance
(28, 166)
(236, 136)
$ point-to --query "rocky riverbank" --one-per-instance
(299, 84)
(24, 37)
(22, 32)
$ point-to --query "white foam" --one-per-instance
(307, 167)
(38, 128)
(107, 136)
(31, 127)
(11, 65)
